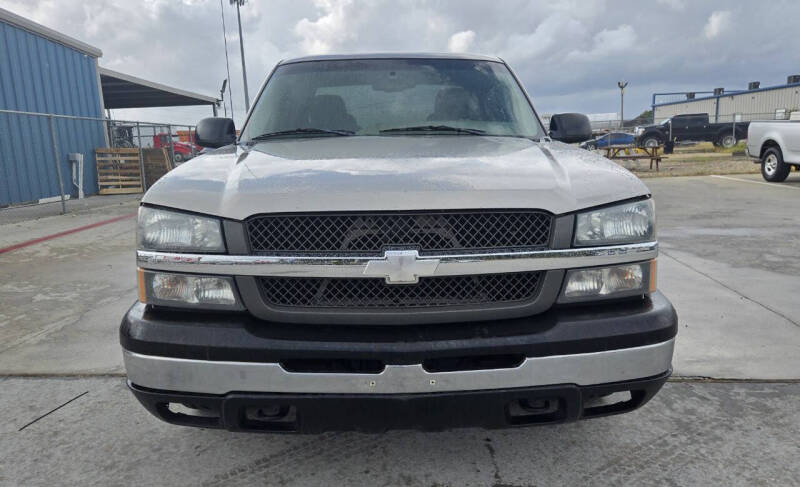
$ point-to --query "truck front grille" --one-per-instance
(375, 293)
(372, 233)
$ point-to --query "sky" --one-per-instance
(569, 54)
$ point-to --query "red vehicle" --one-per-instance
(183, 150)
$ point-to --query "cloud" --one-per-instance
(461, 41)
(619, 39)
(678, 5)
(569, 54)
(718, 23)
(320, 36)
(552, 38)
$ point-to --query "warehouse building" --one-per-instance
(721, 105)
(47, 79)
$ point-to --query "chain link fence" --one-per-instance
(46, 157)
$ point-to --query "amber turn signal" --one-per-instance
(140, 278)
(653, 276)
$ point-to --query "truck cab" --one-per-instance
(182, 151)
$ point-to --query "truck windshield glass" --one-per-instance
(392, 97)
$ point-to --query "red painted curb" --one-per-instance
(65, 232)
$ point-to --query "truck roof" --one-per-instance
(391, 55)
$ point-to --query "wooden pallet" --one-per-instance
(156, 164)
(118, 170)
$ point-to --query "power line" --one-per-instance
(227, 64)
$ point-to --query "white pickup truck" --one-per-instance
(776, 145)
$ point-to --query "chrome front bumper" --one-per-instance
(222, 377)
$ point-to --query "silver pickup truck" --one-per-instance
(776, 145)
(395, 241)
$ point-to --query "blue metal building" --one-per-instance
(44, 71)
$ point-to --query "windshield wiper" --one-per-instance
(435, 128)
(299, 131)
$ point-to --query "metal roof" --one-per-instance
(42, 31)
(125, 91)
(391, 55)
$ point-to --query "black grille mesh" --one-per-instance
(372, 233)
(375, 293)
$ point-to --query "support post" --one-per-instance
(191, 140)
(171, 148)
(141, 158)
(58, 163)
(621, 109)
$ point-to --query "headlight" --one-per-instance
(174, 231)
(609, 282)
(638, 131)
(186, 290)
(627, 223)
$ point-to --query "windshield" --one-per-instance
(393, 97)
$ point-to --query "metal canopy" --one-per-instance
(126, 91)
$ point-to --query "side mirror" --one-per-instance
(570, 127)
(215, 132)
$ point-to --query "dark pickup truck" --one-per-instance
(695, 127)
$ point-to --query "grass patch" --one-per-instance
(699, 165)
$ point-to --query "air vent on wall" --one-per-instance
(753, 85)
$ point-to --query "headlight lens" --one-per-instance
(609, 282)
(627, 223)
(175, 231)
(170, 289)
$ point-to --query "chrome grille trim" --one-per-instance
(354, 266)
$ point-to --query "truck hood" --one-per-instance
(393, 173)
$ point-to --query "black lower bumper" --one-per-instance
(316, 413)
(243, 338)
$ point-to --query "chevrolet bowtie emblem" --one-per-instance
(401, 267)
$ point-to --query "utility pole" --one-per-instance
(227, 65)
(622, 85)
(239, 3)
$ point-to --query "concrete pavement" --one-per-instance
(690, 434)
(730, 263)
(62, 298)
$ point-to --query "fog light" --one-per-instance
(607, 282)
(188, 290)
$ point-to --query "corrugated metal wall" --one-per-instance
(699, 106)
(760, 104)
(39, 75)
(754, 105)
